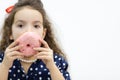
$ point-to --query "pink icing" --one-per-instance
(29, 40)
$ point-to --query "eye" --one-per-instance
(20, 25)
(37, 26)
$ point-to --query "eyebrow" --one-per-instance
(38, 22)
(22, 21)
(19, 21)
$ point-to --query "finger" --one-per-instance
(15, 53)
(13, 44)
(44, 57)
(41, 49)
(42, 53)
(45, 44)
(17, 57)
(15, 48)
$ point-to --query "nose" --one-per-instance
(29, 29)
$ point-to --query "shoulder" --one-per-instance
(1, 56)
(62, 65)
(58, 57)
(60, 61)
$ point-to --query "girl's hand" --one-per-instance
(11, 53)
(45, 54)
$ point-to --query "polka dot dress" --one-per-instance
(37, 70)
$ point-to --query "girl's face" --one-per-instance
(27, 20)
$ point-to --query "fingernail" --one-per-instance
(22, 45)
(34, 48)
(34, 55)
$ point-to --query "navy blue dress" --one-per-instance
(37, 70)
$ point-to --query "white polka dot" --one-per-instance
(63, 64)
(23, 71)
(41, 66)
(48, 73)
(23, 75)
(10, 71)
(39, 73)
(59, 67)
(14, 75)
(2, 55)
(55, 62)
(31, 69)
(40, 78)
(36, 69)
(59, 59)
(66, 74)
(31, 73)
(61, 70)
(10, 78)
(18, 70)
(14, 67)
(18, 79)
(45, 69)
(0, 58)
(35, 74)
(48, 78)
(56, 56)
(26, 76)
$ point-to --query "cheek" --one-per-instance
(16, 34)
(44, 33)
(41, 33)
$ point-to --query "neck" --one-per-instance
(28, 59)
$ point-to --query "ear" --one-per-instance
(11, 37)
(44, 33)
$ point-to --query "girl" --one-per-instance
(30, 16)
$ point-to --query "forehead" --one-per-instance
(28, 14)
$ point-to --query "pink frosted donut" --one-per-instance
(29, 40)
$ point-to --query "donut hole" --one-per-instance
(28, 45)
(22, 50)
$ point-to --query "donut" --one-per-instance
(28, 41)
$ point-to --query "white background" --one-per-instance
(89, 31)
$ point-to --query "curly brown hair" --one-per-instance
(7, 27)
